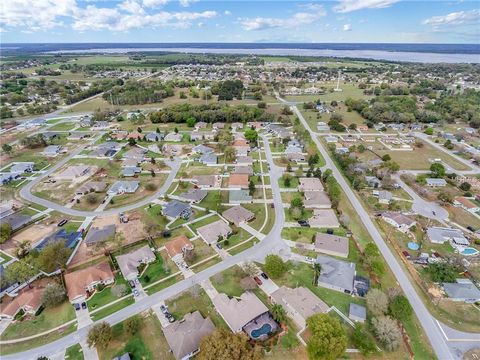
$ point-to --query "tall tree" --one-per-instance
(100, 335)
(224, 345)
(328, 340)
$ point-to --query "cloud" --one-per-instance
(132, 7)
(154, 3)
(347, 27)
(346, 6)
(187, 3)
(227, 12)
(455, 19)
(296, 20)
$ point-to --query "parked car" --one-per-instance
(135, 292)
(84, 305)
(309, 260)
(303, 223)
(257, 280)
(219, 246)
(272, 205)
(136, 281)
(406, 254)
(469, 227)
(76, 306)
(263, 275)
(132, 283)
(163, 309)
(62, 222)
(330, 231)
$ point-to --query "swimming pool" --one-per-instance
(264, 330)
(413, 246)
(469, 251)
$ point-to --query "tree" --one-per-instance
(251, 135)
(251, 187)
(54, 294)
(328, 340)
(363, 341)
(99, 335)
(465, 186)
(278, 313)
(5, 232)
(377, 302)
(247, 283)
(224, 345)
(132, 325)
(442, 272)
(19, 271)
(313, 159)
(437, 170)
(386, 157)
(53, 256)
(229, 154)
(287, 180)
(191, 122)
(387, 332)
(317, 271)
(131, 142)
(429, 131)
(7, 148)
(400, 308)
(250, 268)
(297, 203)
(274, 266)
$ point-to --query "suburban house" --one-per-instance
(239, 196)
(178, 248)
(373, 182)
(172, 149)
(107, 149)
(130, 171)
(238, 312)
(336, 274)
(324, 218)
(439, 235)
(184, 336)
(69, 239)
(316, 199)
(296, 157)
(211, 233)
(244, 160)
(123, 187)
(52, 150)
(202, 135)
(239, 181)
(28, 299)
(384, 196)
(201, 125)
(194, 195)
(129, 263)
(173, 137)
(243, 169)
(153, 136)
(299, 303)
(466, 204)
(331, 245)
(207, 181)
(462, 290)
(398, 220)
(202, 149)
(22, 167)
(434, 182)
(310, 184)
(91, 186)
(357, 313)
(137, 154)
(73, 172)
(208, 159)
(82, 282)
(175, 209)
(100, 235)
(218, 126)
(7, 178)
(238, 214)
(322, 126)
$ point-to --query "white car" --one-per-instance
(310, 260)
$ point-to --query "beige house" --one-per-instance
(324, 218)
(212, 232)
(238, 215)
(73, 172)
(317, 199)
(184, 336)
(129, 263)
(299, 303)
(331, 245)
(310, 184)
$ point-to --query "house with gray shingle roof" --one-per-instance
(194, 195)
(100, 235)
(462, 290)
(239, 196)
(175, 209)
(336, 274)
(122, 187)
(208, 159)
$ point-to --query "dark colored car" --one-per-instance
(84, 305)
(272, 205)
(219, 246)
(330, 231)
(62, 222)
(76, 306)
(132, 283)
(263, 275)
(257, 280)
(303, 223)
(163, 309)
(470, 228)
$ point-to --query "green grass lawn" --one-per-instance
(242, 247)
(155, 271)
(111, 309)
(106, 296)
(66, 126)
(74, 352)
(190, 301)
(48, 319)
(164, 284)
(293, 183)
(211, 201)
(206, 264)
(201, 251)
(228, 281)
(147, 344)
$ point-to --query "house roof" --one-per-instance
(73, 172)
(239, 195)
(202, 149)
(184, 336)
(467, 203)
(77, 281)
(128, 263)
(237, 312)
(337, 273)
(398, 218)
(209, 158)
(98, 235)
(324, 218)
(238, 214)
(317, 198)
(97, 186)
(301, 300)
(238, 180)
(435, 181)
(244, 160)
(123, 186)
(175, 208)
(357, 311)
(211, 232)
(68, 239)
(243, 169)
(177, 245)
(310, 184)
(331, 244)
(194, 195)
(205, 180)
(28, 297)
(463, 289)
(16, 221)
(441, 234)
(22, 167)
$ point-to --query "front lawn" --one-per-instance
(106, 296)
(48, 319)
(155, 271)
(228, 281)
(113, 308)
(74, 352)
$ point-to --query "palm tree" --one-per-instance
(317, 268)
(278, 313)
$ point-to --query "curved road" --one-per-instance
(272, 243)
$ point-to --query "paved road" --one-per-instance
(432, 330)
(272, 243)
(26, 191)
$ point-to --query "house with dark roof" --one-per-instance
(69, 239)
(336, 274)
(194, 195)
(175, 209)
(462, 290)
(100, 235)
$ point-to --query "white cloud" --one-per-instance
(187, 3)
(346, 6)
(132, 7)
(154, 3)
(297, 19)
(455, 19)
(35, 15)
(228, 12)
(347, 27)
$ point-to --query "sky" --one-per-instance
(169, 21)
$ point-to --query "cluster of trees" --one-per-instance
(388, 311)
(210, 113)
(332, 188)
(328, 339)
(34, 142)
(228, 89)
(5, 232)
(133, 92)
(223, 344)
(94, 89)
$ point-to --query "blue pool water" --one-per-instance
(469, 251)
(264, 330)
(413, 246)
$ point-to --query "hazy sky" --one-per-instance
(239, 21)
